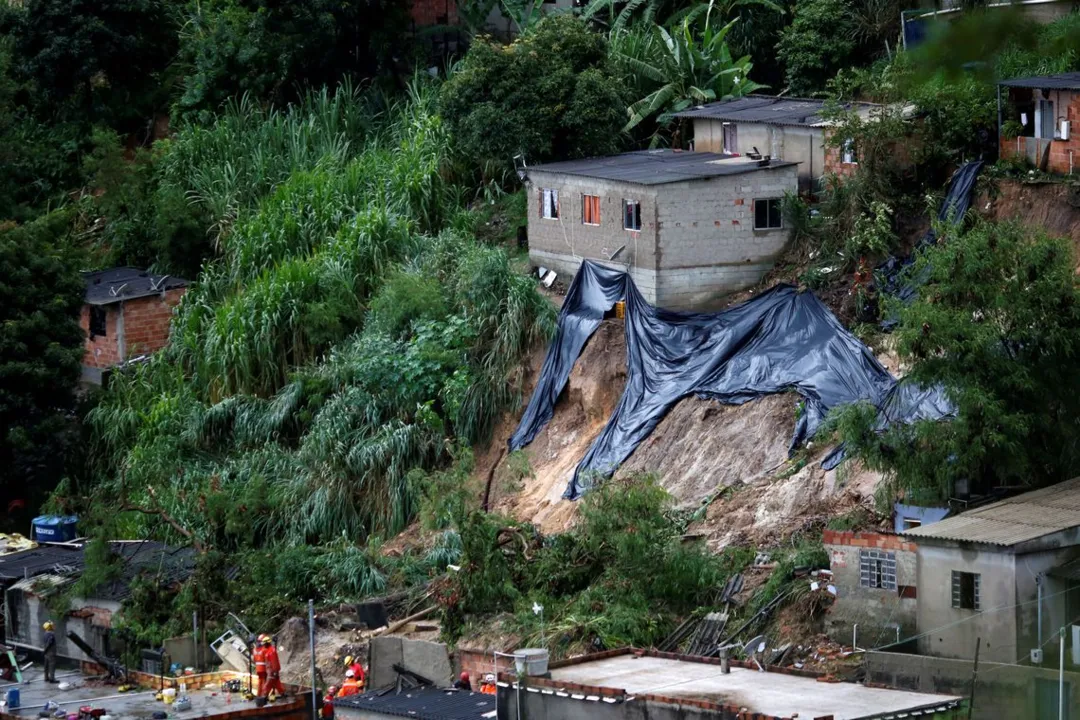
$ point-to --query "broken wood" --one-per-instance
(169, 519)
(395, 626)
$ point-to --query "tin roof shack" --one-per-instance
(628, 685)
(1036, 118)
(1001, 572)
(420, 703)
(876, 587)
(34, 577)
(688, 227)
(790, 129)
(126, 313)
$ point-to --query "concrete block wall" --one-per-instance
(563, 243)
(707, 245)
(877, 611)
(1003, 690)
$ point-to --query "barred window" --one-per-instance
(877, 569)
(965, 590)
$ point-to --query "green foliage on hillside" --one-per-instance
(819, 41)
(550, 95)
(997, 323)
(41, 347)
(621, 576)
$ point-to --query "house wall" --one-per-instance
(25, 613)
(563, 243)
(878, 612)
(707, 245)
(1055, 610)
(552, 705)
(952, 632)
(425, 13)
(1003, 691)
(132, 328)
(1064, 154)
(802, 145)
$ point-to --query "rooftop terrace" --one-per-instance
(773, 693)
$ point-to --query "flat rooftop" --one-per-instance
(771, 693)
(659, 167)
(770, 110)
(139, 704)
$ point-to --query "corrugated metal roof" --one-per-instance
(1013, 521)
(424, 703)
(657, 167)
(1062, 81)
(767, 110)
(104, 287)
(42, 559)
(42, 585)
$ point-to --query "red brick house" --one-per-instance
(126, 314)
(1037, 119)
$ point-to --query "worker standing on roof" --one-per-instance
(350, 686)
(273, 667)
(49, 651)
(353, 664)
(488, 686)
(258, 654)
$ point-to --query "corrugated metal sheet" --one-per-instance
(767, 110)
(1009, 522)
(1063, 81)
(423, 703)
(658, 167)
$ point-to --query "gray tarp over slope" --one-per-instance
(781, 340)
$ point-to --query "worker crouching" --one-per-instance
(351, 686)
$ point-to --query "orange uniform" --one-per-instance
(273, 665)
(358, 672)
(259, 656)
(350, 687)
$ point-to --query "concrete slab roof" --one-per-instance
(423, 703)
(770, 110)
(1013, 521)
(659, 167)
(776, 694)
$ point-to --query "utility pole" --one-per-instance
(311, 640)
(974, 677)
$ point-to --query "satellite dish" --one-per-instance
(754, 648)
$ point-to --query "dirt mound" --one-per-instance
(702, 446)
(1052, 206)
(769, 509)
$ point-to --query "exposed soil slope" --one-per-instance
(1051, 206)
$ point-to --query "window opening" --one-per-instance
(768, 214)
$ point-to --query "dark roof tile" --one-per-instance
(658, 167)
(105, 287)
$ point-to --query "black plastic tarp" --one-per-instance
(891, 277)
(783, 340)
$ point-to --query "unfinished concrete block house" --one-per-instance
(689, 227)
(1037, 118)
(789, 129)
(126, 313)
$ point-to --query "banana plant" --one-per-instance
(680, 68)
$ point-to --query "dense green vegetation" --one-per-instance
(359, 316)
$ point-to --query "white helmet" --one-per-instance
(350, 673)
(489, 678)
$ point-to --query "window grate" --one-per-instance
(877, 569)
(966, 590)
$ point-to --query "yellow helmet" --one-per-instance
(48, 625)
(348, 660)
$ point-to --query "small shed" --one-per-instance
(1004, 572)
(1036, 119)
(126, 313)
(789, 129)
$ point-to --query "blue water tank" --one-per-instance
(13, 698)
(54, 528)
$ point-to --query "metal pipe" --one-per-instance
(1038, 587)
(195, 640)
(311, 641)
(1061, 677)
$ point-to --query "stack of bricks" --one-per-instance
(146, 322)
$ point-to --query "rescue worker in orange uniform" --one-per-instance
(273, 667)
(258, 655)
(350, 686)
(353, 664)
(488, 686)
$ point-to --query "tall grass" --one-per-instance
(284, 410)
